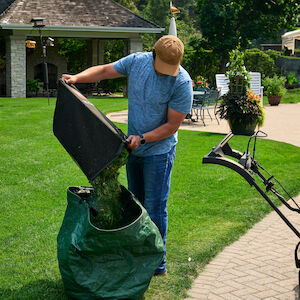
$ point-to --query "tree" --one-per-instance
(198, 61)
(75, 52)
(158, 11)
(225, 24)
(128, 4)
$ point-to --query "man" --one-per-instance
(159, 97)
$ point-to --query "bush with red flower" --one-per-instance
(200, 82)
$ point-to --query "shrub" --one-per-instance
(274, 54)
(33, 85)
(291, 78)
(274, 86)
(259, 61)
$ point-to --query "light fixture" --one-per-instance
(37, 22)
(30, 44)
(50, 42)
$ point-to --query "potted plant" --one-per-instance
(243, 112)
(274, 89)
(240, 106)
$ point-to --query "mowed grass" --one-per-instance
(209, 206)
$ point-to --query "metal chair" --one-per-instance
(206, 101)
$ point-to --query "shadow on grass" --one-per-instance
(40, 289)
(210, 134)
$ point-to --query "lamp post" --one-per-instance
(39, 24)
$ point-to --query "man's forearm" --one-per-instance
(154, 135)
(165, 130)
(94, 74)
(160, 132)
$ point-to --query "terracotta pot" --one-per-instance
(274, 100)
(242, 128)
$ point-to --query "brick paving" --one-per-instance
(261, 264)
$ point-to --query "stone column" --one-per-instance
(96, 52)
(135, 45)
(16, 67)
(100, 52)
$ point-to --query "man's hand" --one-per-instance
(70, 79)
(134, 142)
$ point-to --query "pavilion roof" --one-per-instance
(72, 13)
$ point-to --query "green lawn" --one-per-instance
(209, 206)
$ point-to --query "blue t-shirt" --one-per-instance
(149, 96)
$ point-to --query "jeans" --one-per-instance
(149, 180)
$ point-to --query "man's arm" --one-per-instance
(170, 127)
(93, 74)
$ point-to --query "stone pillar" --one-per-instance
(135, 45)
(16, 67)
(94, 52)
(97, 52)
(100, 52)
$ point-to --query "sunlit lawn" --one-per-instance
(209, 206)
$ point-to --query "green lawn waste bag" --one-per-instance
(107, 264)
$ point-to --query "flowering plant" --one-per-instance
(254, 98)
(200, 82)
(245, 108)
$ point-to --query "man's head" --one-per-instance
(168, 54)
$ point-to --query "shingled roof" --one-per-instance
(72, 13)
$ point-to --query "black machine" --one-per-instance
(245, 165)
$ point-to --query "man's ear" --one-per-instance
(153, 53)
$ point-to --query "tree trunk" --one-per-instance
(223, 62)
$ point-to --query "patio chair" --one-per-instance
(206, 102)
(196, 106)
(222, 83)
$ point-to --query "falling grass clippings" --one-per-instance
(107, 191)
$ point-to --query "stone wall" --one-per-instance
(15, 67)
(289, 65)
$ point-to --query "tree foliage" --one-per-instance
(199, 61)
(75, 52)
(225, 23)
(128, 4)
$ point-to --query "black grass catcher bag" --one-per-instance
(91, 139)
(97, 263)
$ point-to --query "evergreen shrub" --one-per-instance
(257, 60)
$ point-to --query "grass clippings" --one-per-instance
(107, 191)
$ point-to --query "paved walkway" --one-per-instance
(282, 123)
(260, 265)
